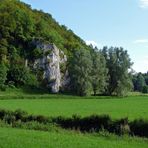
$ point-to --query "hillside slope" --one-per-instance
(19, 24)
(27, 38)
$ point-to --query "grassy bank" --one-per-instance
(18, 138)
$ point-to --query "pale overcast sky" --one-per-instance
(105, 22)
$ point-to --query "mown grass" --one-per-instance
(131, 107)
(18, 138)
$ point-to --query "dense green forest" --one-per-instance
(19, 26)
(95, 71)
(140, 82)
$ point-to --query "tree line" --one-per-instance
(105, 72)
(91, 71)
(140, 82)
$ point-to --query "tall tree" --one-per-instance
(119, 65)
(140, 83)
(80, 66)
(99, 72)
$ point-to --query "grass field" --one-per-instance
(18, 138)
(131, 107)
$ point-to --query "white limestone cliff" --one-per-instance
(50, 63)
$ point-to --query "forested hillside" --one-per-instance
(88, 70)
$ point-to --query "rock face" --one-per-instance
(50, 63)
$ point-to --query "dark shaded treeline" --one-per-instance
(140, 82)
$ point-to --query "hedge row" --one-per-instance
(93, 123)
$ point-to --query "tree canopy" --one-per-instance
(119, 65)
(91, 70)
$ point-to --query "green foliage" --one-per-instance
(17, 74)
(3, 46)
(3, 75)
(91, 124)
(99, 72)
(119, 65)
(145, 89)
(140, 127)
(20, 27)
(139, 82)
(80, 66)
(31, 80)
(21, 75)
(37, 53)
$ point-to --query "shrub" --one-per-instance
(94, 123)
(145, 89)
(120, 127)
(21, 75)
(9, 118)
(31, 80)
(2, 113)
(42, 119)
(30, 118)
(91, 123)
(20, 115)
(11, 84)
(139, 128)
(33, 125)
(3, 87)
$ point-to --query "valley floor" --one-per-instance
(133, 107)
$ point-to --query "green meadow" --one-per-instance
(134, 107)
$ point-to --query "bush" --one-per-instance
(33, 125)
(94, 123)
(2, 113)
(139, 128)
(11, 84)
(3, 87)
(20, 75)
(9, 118)
(120, 127)
(31, 80)
(145, 89)
(20, 115)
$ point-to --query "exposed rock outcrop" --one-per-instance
(50, 63)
